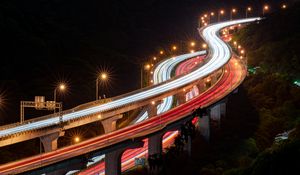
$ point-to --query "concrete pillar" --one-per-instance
(223, 109)
(215, 112)
(50, 141)
(155, 144)
(113, 158)
(110, 124)
(204, 126)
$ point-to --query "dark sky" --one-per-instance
(47, 41)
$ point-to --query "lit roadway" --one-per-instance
(162, 73)
(218, 56)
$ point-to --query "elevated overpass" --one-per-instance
(218, 56)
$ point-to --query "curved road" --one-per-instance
(219, 55)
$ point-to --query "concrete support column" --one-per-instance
(113, 158)
(110, 124)
(223, 109)
(50, 141)
(155, 144)
(204, 126)
(215, 112)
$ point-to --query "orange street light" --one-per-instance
(103, 76)
(283, 6)
(220, 13)
(76, 139)
(265, 8)
(248, 10)
(193, 44)
(161, 52)
(231, 12)
(174, 48)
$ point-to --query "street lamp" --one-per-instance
(103, 76)
(231, 12)
(220, 13)
(283, 6)
(174, 48)
(60, 87)
(144, 67)
(161, 52)
(265, 8)
(193, 44)
(248, 10)
(76, 139)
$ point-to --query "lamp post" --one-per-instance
(231, 12)
(248, 10)
(221, 12)
(103, 76)
(147, 68)
(265, 8)
(60, 87)
(212, 14)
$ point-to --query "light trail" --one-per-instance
(219, 55)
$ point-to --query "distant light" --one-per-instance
(283, 6)
(204, 46)
(222, 12)
(234, 42)
(151, 72)
(161, 52)
(77, 139)
(153, 102)
(192, 51)
(99, 116)
(297, 82)
(147, 66)
(151, 81)
(212, 14)
(154, 58)
(266, 7)
(174, 48)
(242, 51)
(239, 46)
(193, 44)
(205, 15)
(233, 10)
(103, 76)
(249, 9)
(62, 87)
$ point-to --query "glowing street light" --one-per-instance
(283, 6)
(76, 139)
(204, 46)
(161, 52)
(265, 8)
(60, 87)
(103, 76)
(193, 44)
(154, 58)
(231, 12)
(174, 48)
(221, 12)
(248, 10)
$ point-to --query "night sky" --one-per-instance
(48, 41)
